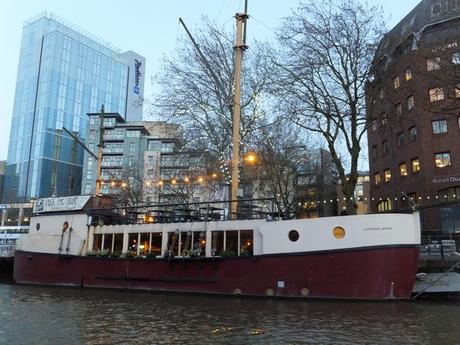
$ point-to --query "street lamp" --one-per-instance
(251, 159)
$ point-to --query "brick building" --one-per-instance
(413, 106)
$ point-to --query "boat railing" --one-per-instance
(216, 210)
(439, 245)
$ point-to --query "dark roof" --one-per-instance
(423, 15)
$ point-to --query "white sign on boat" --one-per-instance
(68, 203)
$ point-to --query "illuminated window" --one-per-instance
(433, 64)
(396, 83)
(413, 133)
(377, 179)
(439, 126)
(403, 169)
(385, 205)
(436, 94)
(442, 159)
(415, 165)
(387, 175)
(408, 74)
(410, 103)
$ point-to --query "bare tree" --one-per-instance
(282, 157)
(200, 99)
(326, 50)
(130, 189)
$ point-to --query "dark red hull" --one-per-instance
(366, 273)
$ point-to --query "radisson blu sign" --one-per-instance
(137, 76)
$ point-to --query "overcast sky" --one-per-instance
(149, 27)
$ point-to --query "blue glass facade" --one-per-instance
(62, 76)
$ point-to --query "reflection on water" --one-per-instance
(37, 315)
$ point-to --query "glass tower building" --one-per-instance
(63, 74)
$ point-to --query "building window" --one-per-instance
(410, 103)
(396, 83)
(381, 93)
(377, 179)
(458, 122)
(408, 74)
(403, 169)
(449, 194)
(385, 205)
(456, 58)
(374, 125)
(439, 126)
(442, 159)
(387, 175)
(398, 109)
(385, 147)
(415, 165)
(92, 134)
(413, 133)
(401, 139)
(131, 161)
(436, 9)
(433, 64)
(436, 94)
(132, 147)
(133, 134)
(374, 151)
(94, 120)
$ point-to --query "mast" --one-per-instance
(99, 152)
(240, 47)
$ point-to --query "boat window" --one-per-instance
(246, 242)
(97, 242)
(231, 243)
(107, 242)
(217, 244)
(156, 243)
(118, 243)
(37, 226)
(199, 243)
(185, 243)
(132, 243)
(144, 246)
(293, 235)
(173, 239)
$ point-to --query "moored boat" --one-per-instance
(349, 257)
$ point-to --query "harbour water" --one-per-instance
(43, 315)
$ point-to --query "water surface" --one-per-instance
(39, 315)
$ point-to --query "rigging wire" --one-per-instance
(220, 10)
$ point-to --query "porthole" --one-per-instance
(65, 226)
(338, 232)
(293, 235)
(37, 226)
